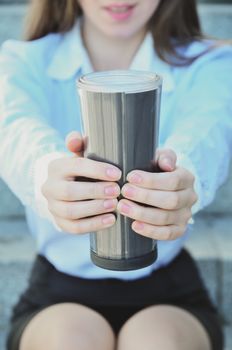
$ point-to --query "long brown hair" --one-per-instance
(175, 23)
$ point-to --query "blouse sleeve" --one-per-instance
(202, 131)
(25, 133)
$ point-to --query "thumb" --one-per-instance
(75, 143)
(166, 159)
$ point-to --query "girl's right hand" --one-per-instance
(77, 206)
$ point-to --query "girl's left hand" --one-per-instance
(170, 196)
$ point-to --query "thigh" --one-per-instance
(178, 284)
(67, 326)
(163, 327)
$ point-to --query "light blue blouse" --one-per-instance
(39, 106)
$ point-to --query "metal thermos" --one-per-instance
(120, 119)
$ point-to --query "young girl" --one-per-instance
(70, 303)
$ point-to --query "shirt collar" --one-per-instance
(71, 56)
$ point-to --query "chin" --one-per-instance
(120, 34)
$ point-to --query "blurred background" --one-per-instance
(211, 238)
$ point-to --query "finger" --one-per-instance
(77, 191)
(78, 166)
(166, 159)
(86, 225)
(178, 179)
(83, 209)
(161, 233)
(169, 200)
(75, 143)
(154, 216)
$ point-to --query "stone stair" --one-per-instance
(210, 241)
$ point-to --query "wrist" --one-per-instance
(40, 177)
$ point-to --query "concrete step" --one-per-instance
(210, 243)
(228, 337)
(216, 20)
(17, 250)
(11, 21)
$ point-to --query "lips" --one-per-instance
(119, 8)
(120, 11)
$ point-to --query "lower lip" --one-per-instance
(121, 16)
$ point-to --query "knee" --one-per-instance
(163, 327)
(149, 330)
(75, 340)
(68, 326)
(83, 330)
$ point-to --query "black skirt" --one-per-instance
(177, 284)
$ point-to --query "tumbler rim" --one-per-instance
(121, 81)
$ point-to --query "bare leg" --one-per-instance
(163, 327)
(68, 326)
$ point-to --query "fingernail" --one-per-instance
(128, 191)
(109, 204)
(74, 142)
(113, 173)
(138, 226)
(125, 208)
(108, 220)
(111, 191)
(135, 178)
(168, 163)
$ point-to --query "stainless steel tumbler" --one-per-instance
(120, 119)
